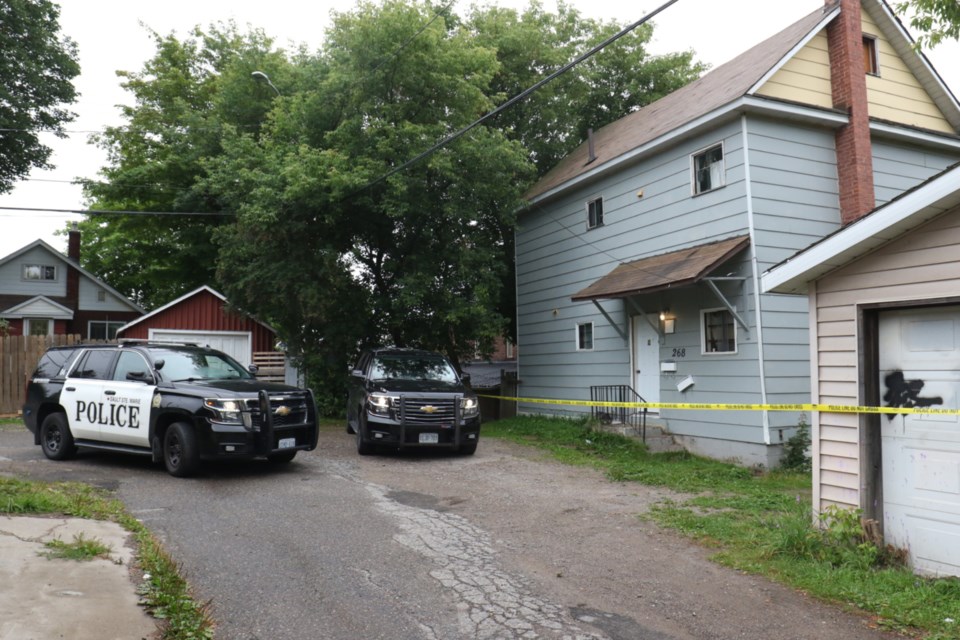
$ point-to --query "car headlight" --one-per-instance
(380, 404)
(228, 411)
(469, 407)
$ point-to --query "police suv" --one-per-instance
(180, 403)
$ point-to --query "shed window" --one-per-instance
(719, 331)
(708, 172)
(871, 62)
(585, 336)
(595, 213)
(46, 272)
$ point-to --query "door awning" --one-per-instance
(666, 271)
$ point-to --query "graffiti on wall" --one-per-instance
(906, 393)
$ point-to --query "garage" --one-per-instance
(205, 317)
(919, 362)
(884, 301)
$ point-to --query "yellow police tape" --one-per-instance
(824, 408)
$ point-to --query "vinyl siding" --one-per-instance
(11, 275)
(921, 265)
(896, 94)
(898, 167)
(804, 78)
(88, 298)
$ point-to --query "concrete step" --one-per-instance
(658, 439)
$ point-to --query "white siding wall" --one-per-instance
(922, 265)
(88, 298)
(11, 275)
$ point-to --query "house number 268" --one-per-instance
(679, 353)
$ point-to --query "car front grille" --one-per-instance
(428, 411)
(287, 409)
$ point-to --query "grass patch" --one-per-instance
(164, 592)
(759, 522)
(79, 549)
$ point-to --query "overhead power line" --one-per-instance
(104, 212)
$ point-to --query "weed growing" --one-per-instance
(760, 522)
(80, 548)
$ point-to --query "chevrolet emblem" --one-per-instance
(428, 408)
(282, 411)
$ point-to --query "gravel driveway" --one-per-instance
(504, 544)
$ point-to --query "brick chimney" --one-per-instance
(849, 84)
(73, 276)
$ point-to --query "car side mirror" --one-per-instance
(465, 378)
(253, 369)
(357, 373)
(140, 376)
(158, 364)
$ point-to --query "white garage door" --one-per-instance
(920, 365)
(233, 343)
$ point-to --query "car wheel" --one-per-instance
(350, 428)
(180, 454)
(467, 449)
(282, 458)
(364, 447)
(55, 437)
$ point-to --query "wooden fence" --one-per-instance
(19, 356)
(271, 365)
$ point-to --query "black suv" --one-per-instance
(180, 403)
(411, 398)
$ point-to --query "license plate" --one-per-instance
(287, 443)
(429, 438)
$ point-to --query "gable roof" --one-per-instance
(64, 259)
(187, 296)
(713, 94)
(665, 271)
(38, 307)
(882, 226)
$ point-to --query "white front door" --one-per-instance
(920, 366)
(646, 359)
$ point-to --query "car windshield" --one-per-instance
(407, 367)
(199, 365)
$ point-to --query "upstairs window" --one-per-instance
(719, 331)
(708, 172)
(871, 62)
(43, 272)
(595, 213)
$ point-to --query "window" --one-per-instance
(38, 327)
(130, 362)
(45, 272)
(719, 331)
(595, 213)
(585, 336)
(708, 173)
(103, 330)
(101, 295)
(871, 63)
(96, 364)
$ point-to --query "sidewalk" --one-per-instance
(48, 599)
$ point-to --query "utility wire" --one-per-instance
(98, 212)
(517, 98)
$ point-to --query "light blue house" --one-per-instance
(639, 255)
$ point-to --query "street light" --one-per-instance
(260, 76)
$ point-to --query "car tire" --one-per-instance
(467, 449)
(55, 437)
(364, 447)
(281, 458)
(180, 453)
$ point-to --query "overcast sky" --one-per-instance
(110, 37)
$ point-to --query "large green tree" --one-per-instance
(936, 20)
(37, 66)
(184, 98)
(328, 233)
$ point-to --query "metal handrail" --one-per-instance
(619, 415)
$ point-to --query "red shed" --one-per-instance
(201, 316)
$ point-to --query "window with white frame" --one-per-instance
(585, 336)
(102, 329)
(46, 272)
(708, 171)
(719, 331)
(38, 327)
(595, 213)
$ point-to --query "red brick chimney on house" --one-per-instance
(849, 83)
(73, 276)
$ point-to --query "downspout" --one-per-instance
(761, 361)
